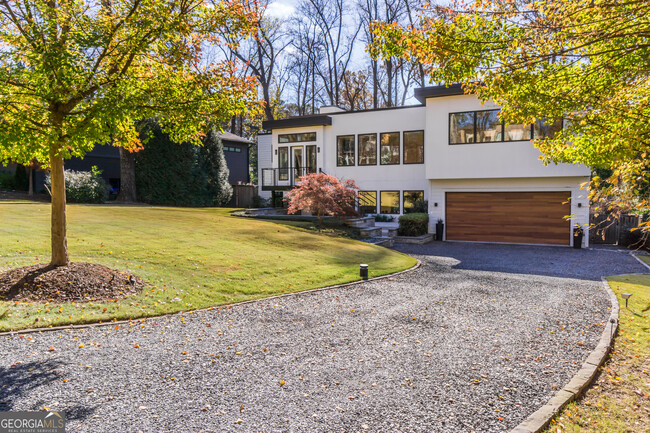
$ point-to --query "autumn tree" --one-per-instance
(323, 195)
(77, 73)
(584, 61)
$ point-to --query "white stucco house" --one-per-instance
(484, 179)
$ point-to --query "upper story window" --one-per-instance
(368, 149)
(485, 127)
(345, 150)
(389, 148)
(297, 138)
(413, 147)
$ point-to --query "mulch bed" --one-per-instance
(79, 282)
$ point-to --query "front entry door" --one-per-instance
(297, 159)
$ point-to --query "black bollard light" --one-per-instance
(363, 271)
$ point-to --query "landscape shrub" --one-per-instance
(380, 218)
(259, 202)
(181, 174)
(635, 239)
(413, 224)
(83, 186)
(7, 181)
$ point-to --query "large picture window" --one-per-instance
(413, 147)
(485, 127)
(410, 198)
(389, 148)
(368, 149)
(367, 202)
(345, 150)
(297, 138)
(389, 202)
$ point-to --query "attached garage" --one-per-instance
(509, 217)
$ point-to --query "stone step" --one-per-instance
(360, 222)
(384, 242)
(370, 232)
(388, 232)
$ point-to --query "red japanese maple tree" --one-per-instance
(322, 195)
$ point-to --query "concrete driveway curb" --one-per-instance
(536, 422)
(143, 319)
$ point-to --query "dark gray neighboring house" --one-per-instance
(107, 159)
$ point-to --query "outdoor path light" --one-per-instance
(363, 271)
(626, 296)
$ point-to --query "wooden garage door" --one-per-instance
(514, 217)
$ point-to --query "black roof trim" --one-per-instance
(296, 122)
(422, 93)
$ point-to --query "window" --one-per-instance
(517, 132)
(389, 202)
(311, 159)
(410, 198)
(413, 147)
(367, 202)
(295, 138)
(283, 163)
(488, 126)
(368, 149)
(345, 150)
(389, 148)
(544, 128)
(485, 127)
(461, 128)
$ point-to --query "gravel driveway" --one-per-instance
(476, 339)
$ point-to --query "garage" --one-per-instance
(510, 217)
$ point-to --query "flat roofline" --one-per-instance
(423, 93)
(297, 122)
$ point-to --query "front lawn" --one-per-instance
(619, 400)
(190, 258)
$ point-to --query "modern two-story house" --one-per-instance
(484, 179)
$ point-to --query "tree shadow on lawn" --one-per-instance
(553, 261)
(28, 378)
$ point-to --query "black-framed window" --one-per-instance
(389, 148)
(488, 126)
(283, 163)
(367, 149)
(296, 138)
(413, 147)
(410, 198)
(461, 128)
(345, 150)
(546, 128)
(485, 127)
(389, 202)
(367, 202)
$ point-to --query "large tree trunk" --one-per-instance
(127, 176)
(59, 238)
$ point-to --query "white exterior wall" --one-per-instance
(516, 159)
(579, 214)
(399, 177)
(264, 156)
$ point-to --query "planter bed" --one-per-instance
(422, 239)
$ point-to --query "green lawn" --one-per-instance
(619, 400)
(190, 258)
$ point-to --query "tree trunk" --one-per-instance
(30, 189)
(127, 177)
(59, 238)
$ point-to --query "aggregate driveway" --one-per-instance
(476, 339)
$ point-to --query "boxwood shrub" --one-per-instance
(413, 224)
